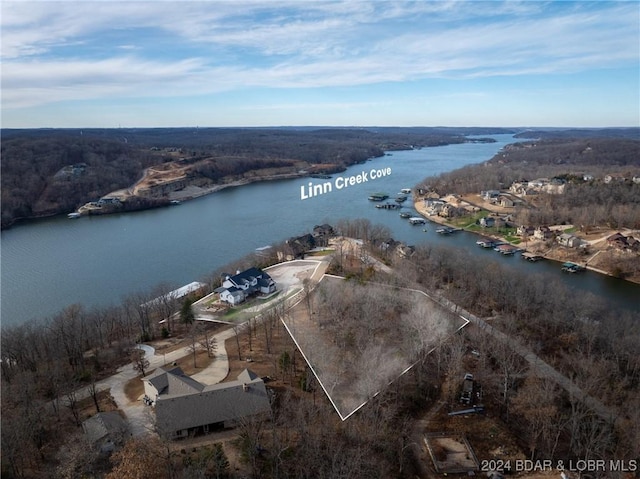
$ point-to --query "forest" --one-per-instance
(36, 183)
(593, 343)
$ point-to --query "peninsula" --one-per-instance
(48, 172)
(569, 200)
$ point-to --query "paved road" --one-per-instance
(288, 276)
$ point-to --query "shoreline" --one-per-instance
(421, 209)
(193, 192)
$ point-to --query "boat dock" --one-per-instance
(532, 257)
(487, 242)
(506, 249)
(378, 197)
(569, 267)
(389, 206)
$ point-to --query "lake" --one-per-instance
(96, 261)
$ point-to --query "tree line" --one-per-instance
(590, 341)
(35, 184)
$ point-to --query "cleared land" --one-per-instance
(358, 339)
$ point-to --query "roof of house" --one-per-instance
(233, 291)
(218, 403)
(173, 381)
(248, 275)
(103, 424)
(617, 237)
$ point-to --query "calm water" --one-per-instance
(49, 264)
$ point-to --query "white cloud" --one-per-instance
(220, 45)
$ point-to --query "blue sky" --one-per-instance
(341, 63)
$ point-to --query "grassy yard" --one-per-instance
(469, 221)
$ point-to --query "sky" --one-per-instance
(217, 63)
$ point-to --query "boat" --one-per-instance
(74, 216)
(569, 267)
(319, 176)
(506, 249)
(401, 198)
(405, 191)
(388, 206)
(378, 197)
(416, 220)
(405, 214)
(485, 242)
(175, 202)
(447, 230)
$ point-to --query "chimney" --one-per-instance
(245, 387)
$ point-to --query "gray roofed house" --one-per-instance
(105, 429)
(186, 406)
(169, 381)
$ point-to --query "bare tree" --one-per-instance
(208, 343)
(536, 401)
(93, 391)
(140, 362)
(194, 344)
(236, 330)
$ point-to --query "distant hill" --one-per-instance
(629, 133)
(53, 171)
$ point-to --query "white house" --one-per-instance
(569, 240)
(232, 295)
(235, 289)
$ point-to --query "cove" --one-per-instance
(96, 261)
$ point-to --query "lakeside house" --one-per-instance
(186, 407)
(569, 240)
(235, 289)
(487, 221)
(543, 233)
(524, 230)
(622, 242)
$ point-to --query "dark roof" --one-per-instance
(248, 275)
(173, 381)
(218, 403)
(103, 424)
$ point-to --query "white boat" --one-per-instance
(405, 191)
(74, 216)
